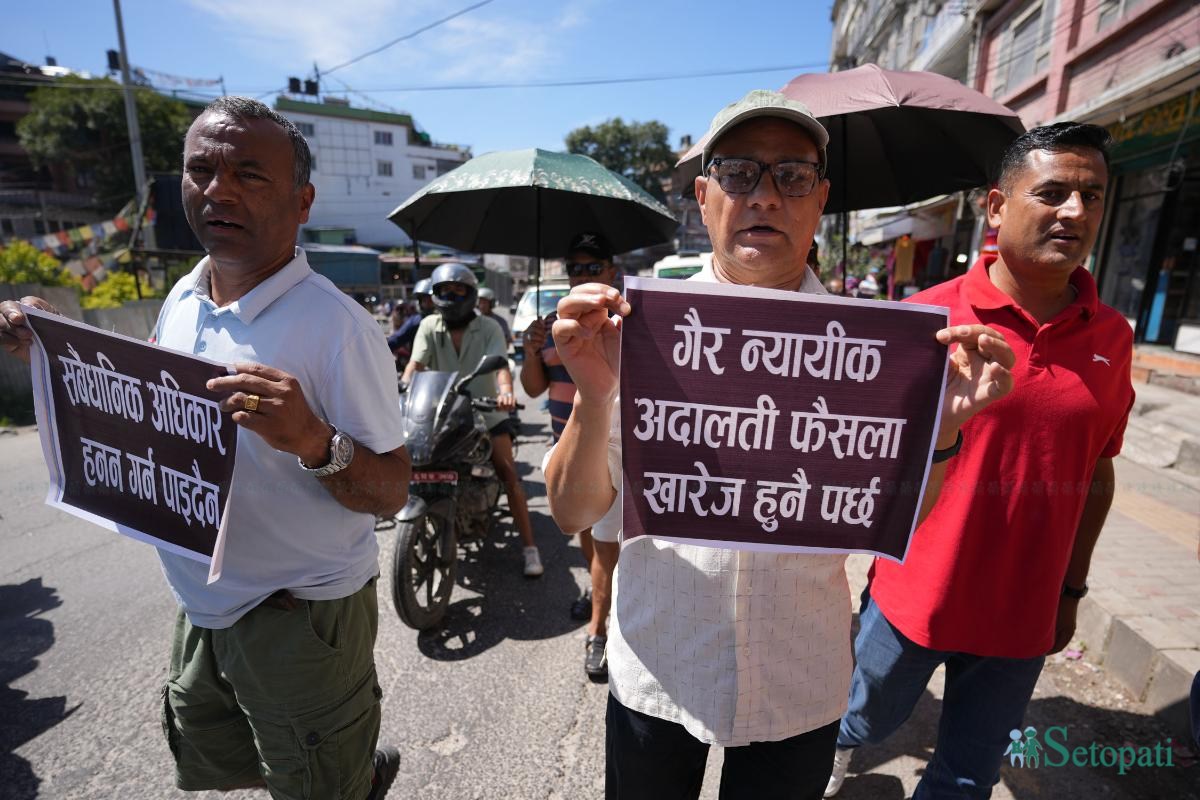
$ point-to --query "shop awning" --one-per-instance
(931, 219)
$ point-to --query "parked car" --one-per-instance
(530, 305)
(681, 265)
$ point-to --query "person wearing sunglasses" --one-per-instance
(707, 645)
(589, 260)
(455, 339)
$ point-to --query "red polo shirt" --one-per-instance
(984, 571)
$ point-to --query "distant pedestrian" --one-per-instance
(400, 341)
(272, 679)
(868, 287)
(455, 339)
(589, 260)
(994, 575)
(487, 307)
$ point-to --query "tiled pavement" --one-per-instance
(1142, 617)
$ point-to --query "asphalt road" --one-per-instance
(494, 706)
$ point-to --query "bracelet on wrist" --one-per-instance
(950, 452)
(1073, 593)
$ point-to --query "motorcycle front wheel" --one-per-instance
(422, 571)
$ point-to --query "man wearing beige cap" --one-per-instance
(746, 650)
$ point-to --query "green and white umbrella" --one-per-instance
(530, 203)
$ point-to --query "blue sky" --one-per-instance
(256, 44)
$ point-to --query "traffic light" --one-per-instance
(114, 61)
(293, 85)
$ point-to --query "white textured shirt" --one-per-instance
(737, 646)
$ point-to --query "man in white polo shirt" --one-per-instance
(747, 650)
(272, 678)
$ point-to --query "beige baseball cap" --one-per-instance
(764, 103)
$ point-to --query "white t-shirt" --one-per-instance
(286, 531)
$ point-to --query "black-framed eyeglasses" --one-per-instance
(741, 175)
(577, 269)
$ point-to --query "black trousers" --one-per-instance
(651, 758)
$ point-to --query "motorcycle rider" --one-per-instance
(487, 307)
(454, 340)
(401, 340)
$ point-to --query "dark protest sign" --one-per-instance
(133, 440)
(766, 420)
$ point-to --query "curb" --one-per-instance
(1154, 662)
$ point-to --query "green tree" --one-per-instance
(85, 127)
(637, 150)
(115, 291)
(21, 262)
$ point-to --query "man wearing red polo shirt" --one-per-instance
(994, 574)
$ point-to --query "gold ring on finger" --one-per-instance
(251, 403)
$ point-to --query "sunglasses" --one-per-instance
(591, 268)
(741, 175)
(450, 293)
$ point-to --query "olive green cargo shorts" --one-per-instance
(285, 696)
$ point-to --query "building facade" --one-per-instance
(1132, 66)
(365, 164)
(35, 201)
(937, 238)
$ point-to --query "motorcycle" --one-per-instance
(453, 493)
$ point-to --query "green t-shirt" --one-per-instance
(434, 349)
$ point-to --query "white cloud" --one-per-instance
(298, 32)
(493, 43)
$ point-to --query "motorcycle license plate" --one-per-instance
(436, 476)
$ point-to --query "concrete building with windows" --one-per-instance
(939, 233)
(365, 163)
(36, 200)
(1132, 66)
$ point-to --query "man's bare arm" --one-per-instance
(533, 371)
(1095, 511)
(373, 483)
(578, 484)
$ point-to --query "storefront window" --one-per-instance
(1131, 241)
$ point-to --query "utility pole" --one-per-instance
(131, 119)
(135, 145)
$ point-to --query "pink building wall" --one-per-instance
(1084, 62)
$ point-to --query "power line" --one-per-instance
(351, 90)
(456, 87)
(599, 81)
(408, 36)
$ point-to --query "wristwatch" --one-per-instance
(341, 453)
(1073, 593)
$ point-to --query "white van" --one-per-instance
(682, 265)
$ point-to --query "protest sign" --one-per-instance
(133, 440)
(768, 420)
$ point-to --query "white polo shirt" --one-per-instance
(286, 531)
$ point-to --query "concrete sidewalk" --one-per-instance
(1141, 621)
